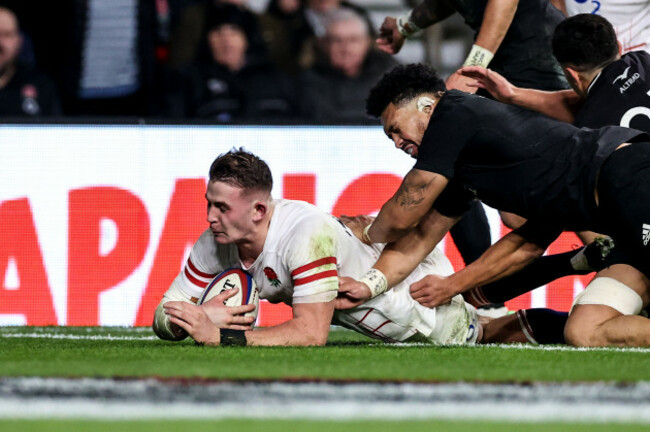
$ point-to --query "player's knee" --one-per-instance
(579, 335)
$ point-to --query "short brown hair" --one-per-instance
(242, 169)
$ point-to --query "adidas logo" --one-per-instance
(646, 234)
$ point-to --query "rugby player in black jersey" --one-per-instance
(555, 175)
(513, 37)
(607, 88)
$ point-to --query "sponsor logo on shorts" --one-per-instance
(646, 234)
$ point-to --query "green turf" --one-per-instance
(310, 426)
(347, 356)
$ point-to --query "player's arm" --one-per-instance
(404, 210)
(400, 258)
(497, 19)
(310, 325)
(507, 256)
(394, 31)
(396, 262)
(561, 105)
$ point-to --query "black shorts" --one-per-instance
(624, 205)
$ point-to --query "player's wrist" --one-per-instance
(365, 236)
(376, 282)
(405, 25)
(230, 337)
(478, 56)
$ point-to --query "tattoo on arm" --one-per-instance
(411, 195)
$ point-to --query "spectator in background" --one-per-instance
(335, 89)
(23, 90)
(317, 13)
(286, 33)
(233, 85)
(101, 54)
(187, 41)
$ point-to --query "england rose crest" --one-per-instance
(272, 276)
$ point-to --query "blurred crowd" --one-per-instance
(310, 61)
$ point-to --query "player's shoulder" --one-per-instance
(297, 228)
(297, 217)
(630, 67)
(294, 210)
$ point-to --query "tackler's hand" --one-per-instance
(495, 84)
(457, 81)
(432, 291)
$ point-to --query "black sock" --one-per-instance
(543, 270)
(543, 326)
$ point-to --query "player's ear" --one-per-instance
(260, 210)
(425, 104)
(573, 77)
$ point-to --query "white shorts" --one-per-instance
(395, 317)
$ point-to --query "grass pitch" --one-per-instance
(135, 352)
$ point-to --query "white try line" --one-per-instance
(516, 346)
(107, 337)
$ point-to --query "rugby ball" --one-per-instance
(234, 278)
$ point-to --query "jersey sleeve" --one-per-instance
(454, 200)
(539, 232)
(313, 263)
(201, 266)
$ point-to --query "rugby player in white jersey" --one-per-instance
(296, 253)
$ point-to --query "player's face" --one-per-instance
(230, 212)
(405, 126)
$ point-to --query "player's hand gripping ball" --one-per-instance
(234, 278)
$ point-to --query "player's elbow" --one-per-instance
(529, 252)
(165, 329)
(315, 336)
(318, 338)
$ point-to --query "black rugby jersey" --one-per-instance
(620, 95)
(516, 160)
(525, 56)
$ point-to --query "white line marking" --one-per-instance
(74, 336)
(54, 335)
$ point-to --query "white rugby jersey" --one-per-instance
(630, 18)
(304, 253)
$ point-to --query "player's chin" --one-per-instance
(221, 238)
